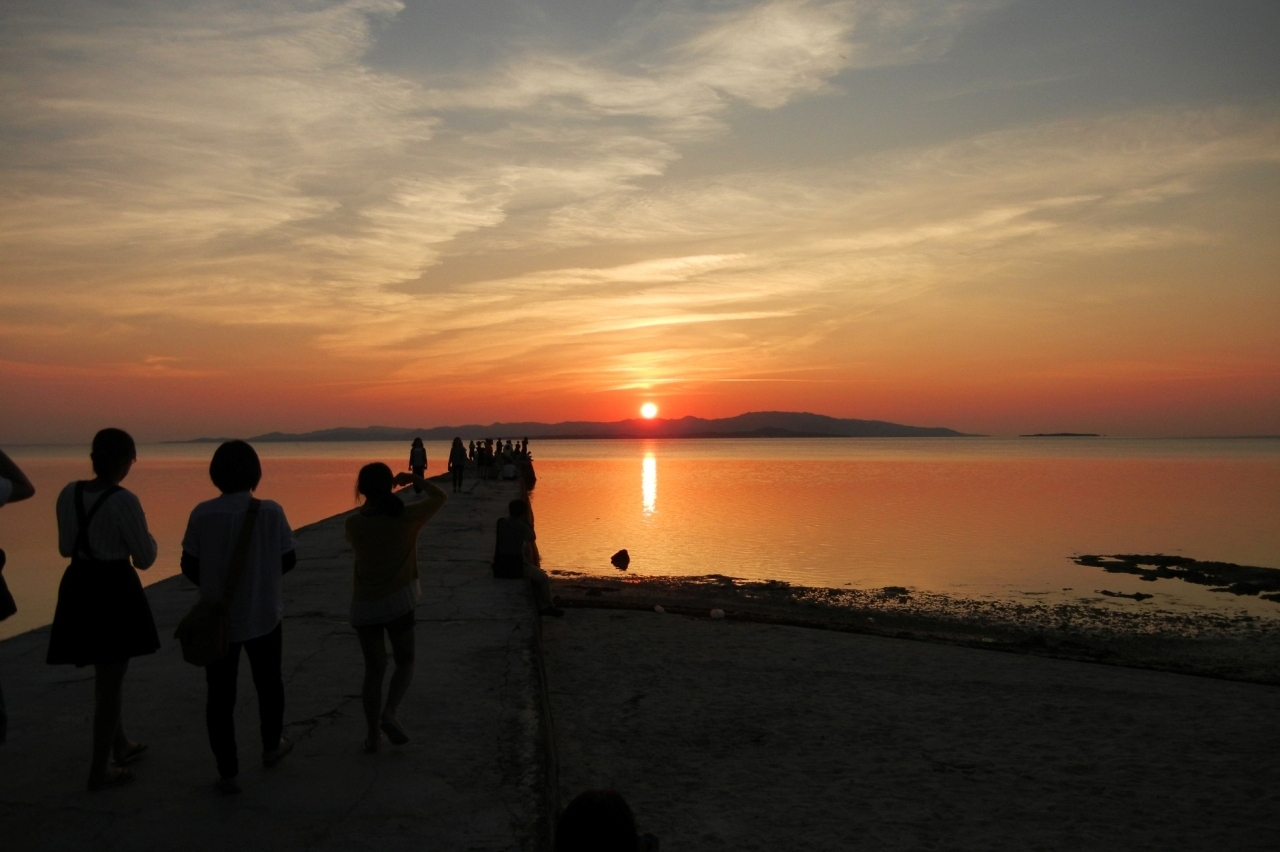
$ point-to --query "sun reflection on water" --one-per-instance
(649, 483)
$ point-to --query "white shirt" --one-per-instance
(211, 537)
(6, 490)
(117, 531)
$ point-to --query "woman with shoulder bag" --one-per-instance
(102, 617)
(255, 605)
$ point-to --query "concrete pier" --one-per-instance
(474, 776)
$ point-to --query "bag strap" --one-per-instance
(82, 546)
(241, 552)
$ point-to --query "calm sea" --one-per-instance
(993, 518)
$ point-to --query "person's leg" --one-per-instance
(108, 684)
(375, 666)
(541, 586)
(264, 654)
(418, 471)
(4, 718)
(219, 710)
(402, 649)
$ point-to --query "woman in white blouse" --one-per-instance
(103, 618)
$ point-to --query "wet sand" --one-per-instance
(750, 733)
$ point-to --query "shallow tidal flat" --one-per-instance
(1212, 644)
(757, 731)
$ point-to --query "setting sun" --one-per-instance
(649, 411)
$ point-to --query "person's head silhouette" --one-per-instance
(597, 821)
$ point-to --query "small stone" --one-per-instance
(621, 559)
(717, 613)
(658, 608)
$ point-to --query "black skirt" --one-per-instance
(102, 615)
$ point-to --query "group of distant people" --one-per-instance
(499, 460)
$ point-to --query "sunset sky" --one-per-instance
(224, 218)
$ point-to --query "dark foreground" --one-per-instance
(742, 735)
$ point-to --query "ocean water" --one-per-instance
(978, 517)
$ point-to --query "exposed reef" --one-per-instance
(1220, 576)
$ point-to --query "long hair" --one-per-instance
(375, 483)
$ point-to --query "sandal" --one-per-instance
(135, 751)
(111, 779)
(394, 732)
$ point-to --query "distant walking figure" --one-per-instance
(384, 536)
(103, 618)
(210, 550)
(418, 462)
(457, 463)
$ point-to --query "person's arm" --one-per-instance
(22, 488)
(133, 524)
(435, 498)
(287, 544)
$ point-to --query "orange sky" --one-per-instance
(998, 217)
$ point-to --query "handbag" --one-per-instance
(203, 631)
(7, 606)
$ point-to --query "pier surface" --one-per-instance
(473, 777)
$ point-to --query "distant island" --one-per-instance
(1062, 435)
(756, 424)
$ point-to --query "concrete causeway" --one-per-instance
(474, 777)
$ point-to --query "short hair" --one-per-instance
(597, 821)
(111, 449)
(518, 508)
(235, 467)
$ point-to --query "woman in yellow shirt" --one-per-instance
(384, 536)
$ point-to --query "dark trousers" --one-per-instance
(457, 476)
(219, 711)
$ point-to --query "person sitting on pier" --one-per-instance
(210, 550)
(384, 536)
(516, 556)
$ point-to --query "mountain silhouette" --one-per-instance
(755, 424)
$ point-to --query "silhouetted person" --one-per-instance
(257, 604)
(14, 486)
(457, 463)
(471, 450)
(418, 462)
(102, 618)
(515, 555)
(600, 821)
(384, 536)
